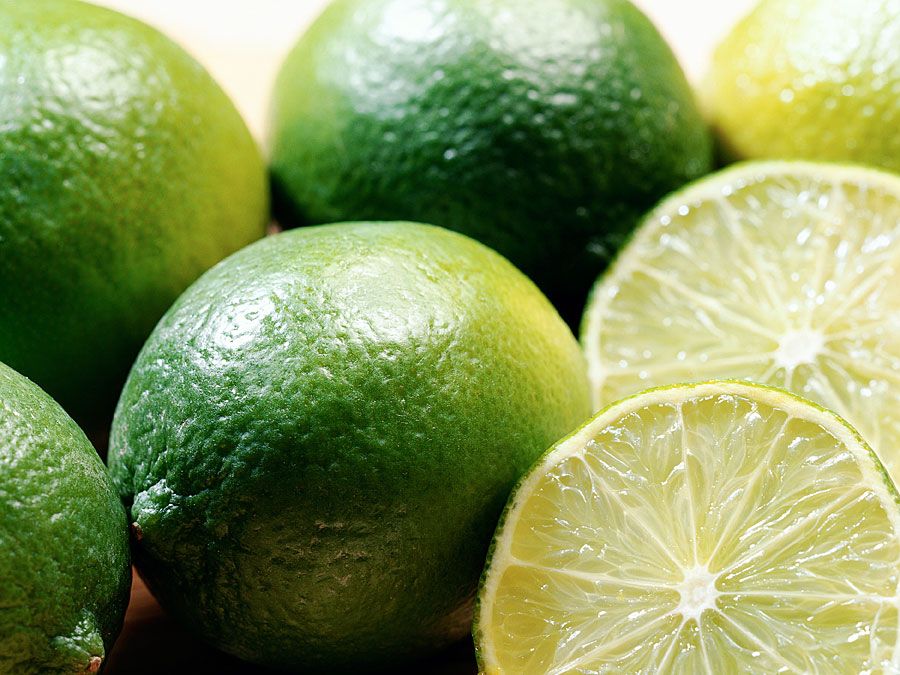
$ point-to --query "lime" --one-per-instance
(316, 442)
(543, 128)
(64, 563)
(712, 528)
(126, 173)
(810, 79)
(786, 274)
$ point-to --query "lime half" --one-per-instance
(785, 274)
(722, 527)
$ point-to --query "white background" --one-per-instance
(242, 42)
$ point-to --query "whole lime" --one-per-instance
(316, 442)
(125, 172)
(810, 79)
(543, 128)
(64, 562)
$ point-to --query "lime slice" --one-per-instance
(722, 527)
(784, 273)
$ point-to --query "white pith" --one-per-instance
(697, 592)
(799, 347)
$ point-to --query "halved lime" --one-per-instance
(784, 273)
(722, 527)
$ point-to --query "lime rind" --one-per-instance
(874, 474)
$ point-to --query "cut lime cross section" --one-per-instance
(783, 273)
(722, 527)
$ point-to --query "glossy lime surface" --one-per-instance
(720, 527)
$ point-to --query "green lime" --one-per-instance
(542, 128)
(713, 528)
(64, 563)
(780, 273)
(126, 172)
(316, 442)
(810, 79)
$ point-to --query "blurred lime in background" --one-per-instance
(810, 79)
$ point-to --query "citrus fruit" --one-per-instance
(786, 274)
(64, 562)
(126, 172)
(810, 79)
(712, 528)
(543, 128)
(317, 440)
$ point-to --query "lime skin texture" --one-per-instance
(65, 573)
(125, 172)
(542, 128)
(317, 440)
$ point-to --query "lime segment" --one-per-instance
(720, 527)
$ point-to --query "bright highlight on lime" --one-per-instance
(126, 173)
(714, 528)
(781, 273)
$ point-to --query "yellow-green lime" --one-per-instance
(699, 529)
(810, 79)
(316, 442)
(781, 273)
(64, 563)
(125, 172)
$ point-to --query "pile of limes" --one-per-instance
(314, 447)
